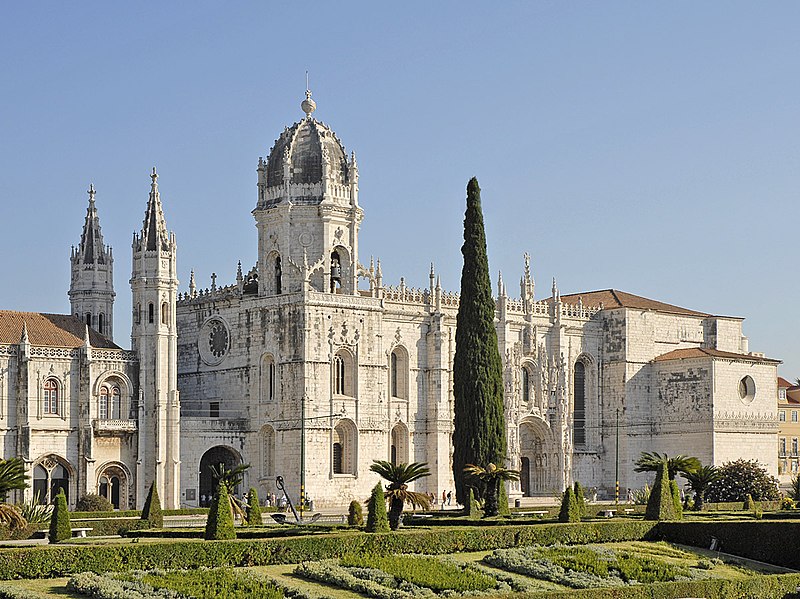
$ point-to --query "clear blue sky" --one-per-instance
(648, 147)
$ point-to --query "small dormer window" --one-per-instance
(782, 394)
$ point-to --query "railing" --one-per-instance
(115, 426)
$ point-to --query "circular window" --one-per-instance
(213, 341)
(747, 389)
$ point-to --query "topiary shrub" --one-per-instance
(787, 504)
(580, 498)
(355, 515)
(219, 526)
(473, 509)
(377, 520)
(742, 478)
(93, 503)
(253, 515)
(60, 529)
(661, 504)
(570, 510)
(152, 508)
(749, 505)
(677, 506)
(502, 501)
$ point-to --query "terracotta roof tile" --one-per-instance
(612, 298)
(49, 330)
(783, 383)
(703, 352)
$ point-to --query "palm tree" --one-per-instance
(492, 477)
(699, 481)
(10, 517)
(649, 462)
(12, 476)
(397, 493)
(230, 479)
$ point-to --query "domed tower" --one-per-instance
(307, 212)
(91, 289)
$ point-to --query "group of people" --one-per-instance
(269, 501)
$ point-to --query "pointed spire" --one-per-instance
(501, 290)
(556, 297)
(91, 249)
(192, 285)
(86, 342)
(23, 340)
(154, 228)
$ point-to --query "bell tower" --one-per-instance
(91, 289)
(154, 285)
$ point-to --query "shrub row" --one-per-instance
(44, 562)
(138, 513)
(111, 526)
(242, 532)
(765, 541)
(782, 586)
(8, 591)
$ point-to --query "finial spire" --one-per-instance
(308, 105)
(154, 177)
(91, 193)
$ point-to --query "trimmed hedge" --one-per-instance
(762, 540)
(138, 513)
(45, 561)
(111, 526)
(255, 532)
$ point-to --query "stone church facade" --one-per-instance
(309, 367)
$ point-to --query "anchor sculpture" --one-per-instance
(281, 518)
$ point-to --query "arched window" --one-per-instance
(267, 452)
(101, 323)
(398, 373)
(113, 485)
(150, 313)
(51, 398)
(104, 401)
(343, 373)
(48, 477)
(164, 313)
(89, 318)
(138, 314)
(110, 402)
(278, 274)
(526, 385)
(336, 272)
(579, 410)
(268, 380)
(398, 451)
(344, 448)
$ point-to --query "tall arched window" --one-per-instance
(150, 313)
(343, 374)
(344, 448)
(398, 450)
(268, 380)
(526, 385)
(278, 275)
(48, 477)
(89, 318)
(267, 452)
(398, 373)
(101, 323)
(336, 272)
(579, 410)
(104, 401)
(110, 402)
(50, 389)
(164, 313)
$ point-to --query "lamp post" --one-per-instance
(302, 455)
(616, 470)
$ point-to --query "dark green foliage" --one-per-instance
(749, 504)
(660, 506)
(93, 503)
(12, 476)
(152, 508)
(794, 490)
(503, 508)
(699, 480)
(399, 476)
(219, 526)
(580, 497)
(377, 521)
(649, 462)
(570, 510)
(50, 562)
(76, 515)
(473, 509)
(253, 508)
(60, 529)
(677, 506)
(740, 478)
(479, 435)
(355, 515)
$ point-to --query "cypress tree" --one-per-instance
(377, 520)
(355, 515)
(479, 435)
(253, 508)
(219, 525)
(580, 497)
(502, 501)
(60, 529)
(152, 508)
(661, 505)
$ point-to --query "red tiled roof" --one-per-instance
(49, 330)
(612, 298)
(783, 383)
(702, 352)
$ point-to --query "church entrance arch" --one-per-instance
(113, 484)
(535, 467)
(214, 459)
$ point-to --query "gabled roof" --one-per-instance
(783, 383)
(49, 330)
(612, 298)
(703, 352)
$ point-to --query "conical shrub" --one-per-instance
(253, 508)
(152, 508)
(219, 526)
(661, 505)
(377, 520)
(502, 501)
(355, 514)
(570, 510)
(60, 529)
(580, 498)
(473, 509)
(677, 506)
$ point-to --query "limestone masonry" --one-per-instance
(311, 344)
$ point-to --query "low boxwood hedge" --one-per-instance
(45, 562)
(242, 532)
(138, 513)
